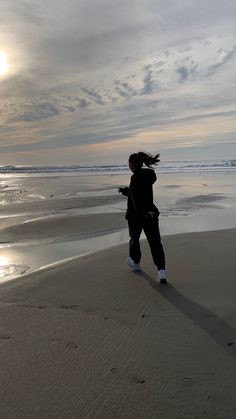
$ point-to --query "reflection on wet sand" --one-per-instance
(9, 269)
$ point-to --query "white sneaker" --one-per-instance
(161, 276)
(133, 265)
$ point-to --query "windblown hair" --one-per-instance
(140, 158)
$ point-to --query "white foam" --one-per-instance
(164, 167)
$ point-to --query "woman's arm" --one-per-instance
(124, 191)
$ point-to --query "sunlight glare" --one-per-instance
(3, 63)
(4, 266)
(4, 260)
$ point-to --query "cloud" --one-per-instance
(94, 95)
(39, 111)
(82, 103)
(183, 73)
(99, 70)
(149, 85)
(125, 89)
(69, 108)
(227, 56)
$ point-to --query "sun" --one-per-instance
(3, 63)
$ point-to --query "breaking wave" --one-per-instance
(164, 167)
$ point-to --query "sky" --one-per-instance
(91, 81)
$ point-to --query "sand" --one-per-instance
(57, 205)
(63, 227)
(91, 339)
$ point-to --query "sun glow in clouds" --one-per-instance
(3, 63)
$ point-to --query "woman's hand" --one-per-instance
(124, 191)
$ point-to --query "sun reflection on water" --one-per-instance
(5, 267)
(10, 269)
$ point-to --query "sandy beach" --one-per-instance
(82, 336)
(91, 339)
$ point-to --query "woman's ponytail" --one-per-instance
(148, 159)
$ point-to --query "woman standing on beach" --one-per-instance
(142, 214)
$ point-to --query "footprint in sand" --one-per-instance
(76, 307)
(5, 337)
(70, 307)
(19, 302)
(127, 377)
(29, 305)
(70, 344)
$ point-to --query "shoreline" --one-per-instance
(143, 242)
(32, 257)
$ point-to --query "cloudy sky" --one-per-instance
(85, 81)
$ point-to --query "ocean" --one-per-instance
(205, 166)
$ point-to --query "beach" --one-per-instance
(91, 339)
(82, 336)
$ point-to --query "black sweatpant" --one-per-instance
(151, 230)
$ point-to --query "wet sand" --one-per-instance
(63, 228)
(65, 217)
(89, 338)
(53, 206)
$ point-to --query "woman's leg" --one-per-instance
(152, 232)
(135, 229)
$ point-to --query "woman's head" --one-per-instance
(137, 160)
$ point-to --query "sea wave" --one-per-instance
(164, 167)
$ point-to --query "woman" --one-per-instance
(142, 214)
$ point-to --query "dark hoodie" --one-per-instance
(140, 195)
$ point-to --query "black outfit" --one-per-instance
(140, 202)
